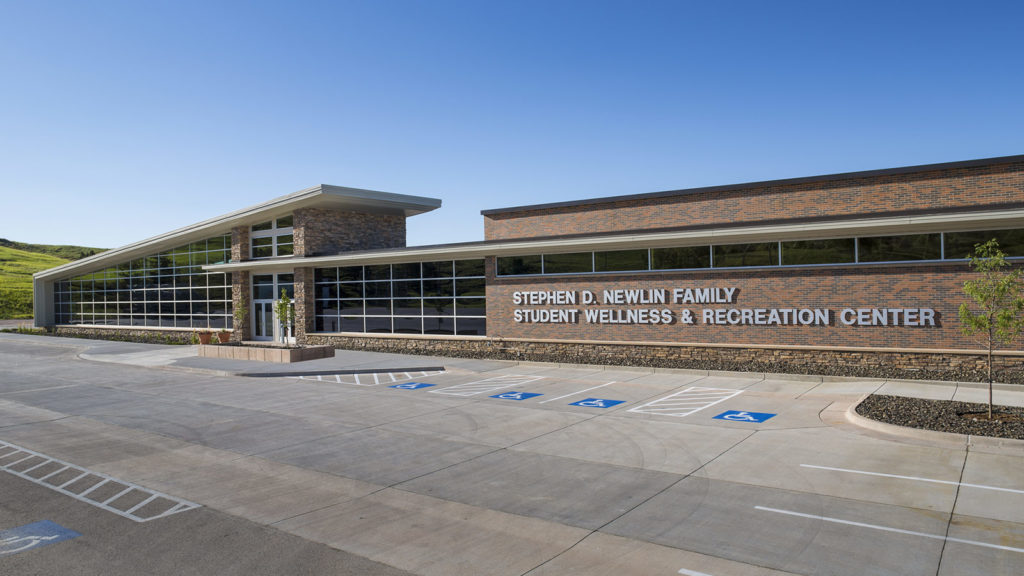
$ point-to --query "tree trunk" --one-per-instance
(990, 378)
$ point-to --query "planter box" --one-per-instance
(268, 354)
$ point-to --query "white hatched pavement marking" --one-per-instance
(488, 385)
(687, 402)
(373, 378)
(889, 529)
(176, 504)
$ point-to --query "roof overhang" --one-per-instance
(321, 196)
(917, 224)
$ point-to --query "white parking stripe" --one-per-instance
(932, 480)
(684, 403)
(488, 385)
(889, 529)
(577, 392)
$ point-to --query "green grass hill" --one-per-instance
(18, 261)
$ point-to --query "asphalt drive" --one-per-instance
(387, 464)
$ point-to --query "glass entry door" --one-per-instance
(263, 327)
(266, 289)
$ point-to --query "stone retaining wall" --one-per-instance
(161, 336)
(829, 362)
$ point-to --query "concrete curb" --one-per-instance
(987, 444)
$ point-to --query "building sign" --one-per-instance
(688, 306)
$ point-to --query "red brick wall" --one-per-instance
(992, 185)
(936, 286)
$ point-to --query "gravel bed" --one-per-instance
(943, 415)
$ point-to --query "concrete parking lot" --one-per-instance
(388, 464)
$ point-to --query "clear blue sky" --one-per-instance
(121, 120)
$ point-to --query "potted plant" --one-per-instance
(205, 336)
(224, 336)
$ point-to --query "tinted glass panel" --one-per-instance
(568, 263)
(285, 249)
(471, 326)
(678, 258)
(378, 307)
(439, 325)
(378, 324)
(378, 289)
(961, 244)
(471, 307)
(408, 307)
(325, 274)
(403, 271)
(285, 222)
(349, 324)
(438, 306)
(469, 267)
(408, 325)
(350, 290)
(761, 254)
(470, 287)
(437, 269)
(378, 272)
(262, 226)
(899, 248)
(350, 273)
(407, 289)
(620, 260)
(512, 265)
(438, 288)
(838, 251)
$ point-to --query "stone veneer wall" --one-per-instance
(928, 365)
(125, 334)
(241, 300)
(304, 305)
(320, 231)
(239, 243)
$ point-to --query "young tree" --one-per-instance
(285, 314)
(998, 297)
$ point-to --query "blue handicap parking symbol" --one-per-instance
(412, 385)
(35, 535)
(739, 416)
(516, 395)
(597, 403)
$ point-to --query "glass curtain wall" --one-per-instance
(168, 289)
(446, 297)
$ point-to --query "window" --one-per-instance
(802, 252)
(621, 261)
(447, 297)
(168, 289)
(900, 248)
(272, 238)
(760, 254)
(961, 244)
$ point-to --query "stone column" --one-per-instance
(305, 308)
(240, 284)
(240, 293)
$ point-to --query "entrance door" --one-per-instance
(266, 289)
(263, 327)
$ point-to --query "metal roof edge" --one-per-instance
(225, 221)
(763, 183)
(734, 234)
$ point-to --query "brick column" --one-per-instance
(305, 308)
(240, 298)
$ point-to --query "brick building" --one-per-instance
(857, 273)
